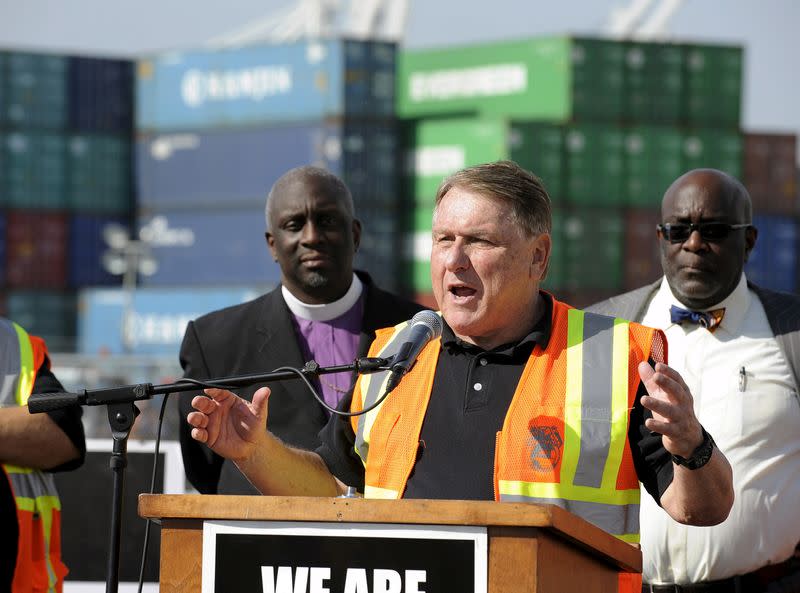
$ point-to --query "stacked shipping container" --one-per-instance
(607, 125)
(770, 162)
(217, 129)
(65, 170)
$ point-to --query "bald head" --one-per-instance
(712, 182)
(296, 180)
(312, 234)
(704, 268)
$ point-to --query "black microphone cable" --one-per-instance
(208, 384)
(310, 366)
(152, 491)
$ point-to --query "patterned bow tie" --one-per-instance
(707, 319)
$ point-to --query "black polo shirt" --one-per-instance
(471, 392)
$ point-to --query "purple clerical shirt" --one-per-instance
(331, 343)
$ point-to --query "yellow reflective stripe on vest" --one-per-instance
(596, 423)
(596, 405)
(572, 424)
(35, 493)
(619, 403)
(31, 483)
(373, 387)
(621, 521)
(382, 493)
(26, 370)
(538, 490)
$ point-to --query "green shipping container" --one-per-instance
(653, 82)
(48, 314)
(34, 91)
(713, 85)
(539, 148)
(594, 164)
(549, 78)
(715, 149)
(653, 160)
(592, 241)
(416, 256)
(99, 173)
(437, 148)
(3, 91)
(32, 170)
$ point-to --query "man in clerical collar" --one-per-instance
(324, 311)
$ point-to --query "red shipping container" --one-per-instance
(642, 259)
(770, 173)
(36, 249)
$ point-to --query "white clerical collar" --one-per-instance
(325, 311)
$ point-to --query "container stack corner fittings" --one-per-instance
(608, 126)
(770, 176)
(65, 142)
(216, 129)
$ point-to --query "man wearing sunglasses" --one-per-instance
(737, 346)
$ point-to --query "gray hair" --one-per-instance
(506, 181)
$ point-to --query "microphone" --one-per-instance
(424, 327)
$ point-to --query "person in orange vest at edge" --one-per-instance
(32, 446)
(494, 408)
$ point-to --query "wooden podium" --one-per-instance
(531, 548)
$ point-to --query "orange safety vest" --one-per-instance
(39, 566)
(564, 440)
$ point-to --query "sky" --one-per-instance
(767, 29)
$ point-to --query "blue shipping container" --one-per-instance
(267, 83)
(773, 263)
(157, 318)
(237, 168)
(86, 249)
(100, 94)
(216, 248)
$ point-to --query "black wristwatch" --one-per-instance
(700, 456)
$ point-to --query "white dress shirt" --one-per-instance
(745, 397)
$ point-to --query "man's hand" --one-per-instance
(672, 406)
(228, 424)
(695, 497)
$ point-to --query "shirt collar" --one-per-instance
(325, 311)
(735, 305)
(539, 334)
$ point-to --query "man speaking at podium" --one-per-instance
(523, 398)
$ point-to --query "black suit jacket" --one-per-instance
(782, 309)
(257, 337)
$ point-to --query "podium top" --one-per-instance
(198, 507)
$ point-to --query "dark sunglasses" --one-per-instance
(678, 232)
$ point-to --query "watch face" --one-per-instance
(700, 456)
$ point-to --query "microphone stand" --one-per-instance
(122, 412)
